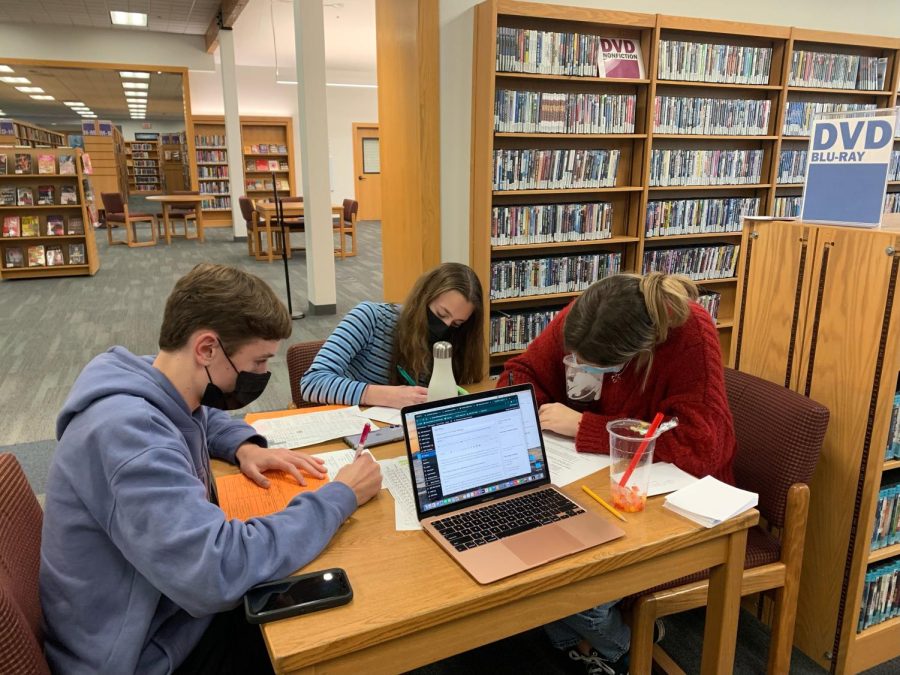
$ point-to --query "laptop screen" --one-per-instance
(474, 448)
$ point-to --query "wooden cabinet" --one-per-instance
(142, 161)
(46, 230)
(26, 134)
(268, 147)
(817, 313)
(108, 159)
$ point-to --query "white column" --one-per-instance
(232, 130)
(309, 35)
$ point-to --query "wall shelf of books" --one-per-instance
(145, 175)
(716, 92)
(559, 151)
(212, 169)
(268, 147)
(828, 72)
(172, 162)
(43, 204)
(16, 132)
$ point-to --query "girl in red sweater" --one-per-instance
(668, 349)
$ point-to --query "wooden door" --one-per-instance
(772, 300)
(849, 366)
(367, 168)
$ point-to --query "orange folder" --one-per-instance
(241, 498)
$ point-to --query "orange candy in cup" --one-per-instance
(629, 499)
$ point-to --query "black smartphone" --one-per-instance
(297, 595)
(378, 436)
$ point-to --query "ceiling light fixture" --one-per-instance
(6, 69)
(135, 85)
(128, 18)
(136, 94)
(30, 90)
(134, 75)
(15, 80)
(73, 104)
(356, 86)
(42, 97)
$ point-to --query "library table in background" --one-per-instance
(267, 211)
(180, 200)
(413, 605)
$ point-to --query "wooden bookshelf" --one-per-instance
(143, 163)
(17, 132)
(108, 159)
(74, 185)
(212, 169)
(267, 141)
(171, 155)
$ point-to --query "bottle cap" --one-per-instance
(443, 350)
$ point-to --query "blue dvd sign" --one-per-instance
(847, 168)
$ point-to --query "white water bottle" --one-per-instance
(442, 383)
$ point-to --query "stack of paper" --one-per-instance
(709, 501)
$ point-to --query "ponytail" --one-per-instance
(667, 298)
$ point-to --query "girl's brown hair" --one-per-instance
(412, 348)
(625, 316)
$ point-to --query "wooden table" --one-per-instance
(183, 200)
(413, 605)
(266, 210)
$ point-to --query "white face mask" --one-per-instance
(584, 382)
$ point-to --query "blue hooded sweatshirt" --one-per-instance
(135, 559)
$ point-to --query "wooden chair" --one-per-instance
(21, 518)
(185, 213)
(299, 358)
(779, 435)
(117, 214)
(347, 226)
(294, 225)
(255, 231)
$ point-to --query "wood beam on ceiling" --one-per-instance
(229, 10)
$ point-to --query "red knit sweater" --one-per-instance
(685, 380)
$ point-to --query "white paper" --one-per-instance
(568, 465)
(335, 460)
(298, 431)
(383, 414)
(395, 474)
(709, 501)
(665, 477)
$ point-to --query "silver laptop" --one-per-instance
(482, 485)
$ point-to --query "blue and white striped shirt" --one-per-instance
(357, 353)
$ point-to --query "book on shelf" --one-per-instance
(522, 277)
(24, 196)
(55, 256)
(2, 165)
(76, 254)
(45, 195)
(620, 58)
(55, 226)
(14, 257)
(709, 502)
(722, 63)
(11, 227)
(23, 163)
(68, 194)
(75, 225)
(7, 195)
(36, 257)
(86, 163)
(67, 165)
(700, 263)
(46, 164)
(31, 226)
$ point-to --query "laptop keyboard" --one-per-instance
(496, 521)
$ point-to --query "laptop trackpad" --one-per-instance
(545, 543)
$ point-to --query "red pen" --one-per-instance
(362, 440)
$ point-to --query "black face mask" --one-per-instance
(247, 388)
(437, 329)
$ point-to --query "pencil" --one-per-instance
(603, 503)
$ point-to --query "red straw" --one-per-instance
(640, 451)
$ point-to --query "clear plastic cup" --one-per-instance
(624, 443)
(580, 384)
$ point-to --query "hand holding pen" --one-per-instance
(362, 441)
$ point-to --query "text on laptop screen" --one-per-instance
(463, 451)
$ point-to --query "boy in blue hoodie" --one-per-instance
(140, 569)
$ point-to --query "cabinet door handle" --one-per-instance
(798, 292)
(814, 337)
